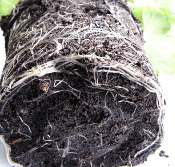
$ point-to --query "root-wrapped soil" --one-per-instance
(77, 89)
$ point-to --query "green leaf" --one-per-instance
(138, 13)
(6, 6)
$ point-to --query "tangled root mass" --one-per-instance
(77, 89)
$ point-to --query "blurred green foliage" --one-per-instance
(158, 21)
(6, 6)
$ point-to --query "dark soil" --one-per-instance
(77, 110)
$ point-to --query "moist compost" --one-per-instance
(77, 89)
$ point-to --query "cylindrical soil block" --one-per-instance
(77, 89)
